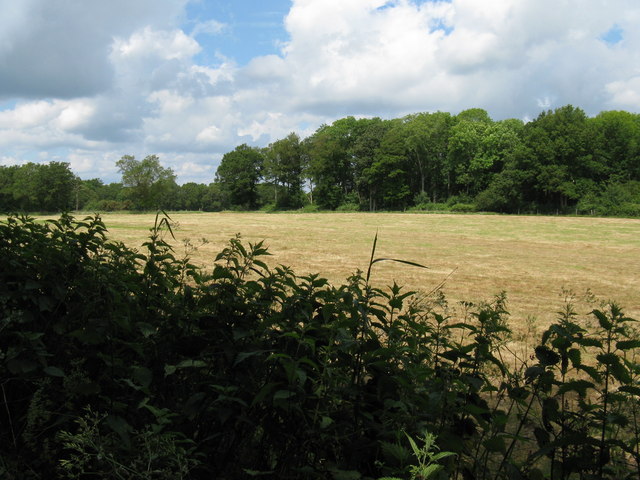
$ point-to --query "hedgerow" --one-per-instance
(123, 363)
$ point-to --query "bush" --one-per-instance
(617, 199)
(348, 207)
(430, 207)
(463, 207)
(124, 364)
(108, 205)
(628, 209)
(269, 208)
(310, 208)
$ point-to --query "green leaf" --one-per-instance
(575, 357)
(441, 455)
(146, 329)
(617, 419)
(120, 426)
(602, 319)
(242, 356)
(190, 363)
(589, 342)
(395, 452)
(256, 473)
(283, 395)
(542, 437)
(628, 344)
(579, 386)
(495, 444)
(620, 373)
(325, 422)
(414, 446)
(194, 404)
(532, 373)
(142, 376)
(591, 371)
(427, 471)
(262, 394)
(632, 389)
(54, 372)
(345, 474)
(608, 359)
(546, 356)
(21, 366)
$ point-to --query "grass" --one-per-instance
(535, 259)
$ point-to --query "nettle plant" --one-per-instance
(123, 363)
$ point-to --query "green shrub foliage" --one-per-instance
(121, 363)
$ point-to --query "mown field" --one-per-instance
(536, 260)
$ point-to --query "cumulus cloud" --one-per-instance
(61, 49)
(91, 81)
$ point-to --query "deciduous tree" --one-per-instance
(148, 182)
(238, 175)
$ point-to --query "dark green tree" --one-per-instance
(614, 144)
(557, 142)
(390, 171)
(330, 162)
(466, 163)
(41, 187)
(369, 135)
(148, 183)
(237, 175)
(7, 200)
(283, 168)
(192, 196)
(426, 142)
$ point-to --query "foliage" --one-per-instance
(48, 187)
(283, 168)
(117, 363)
(426, 458)
(149, 184)
(238, 175)
(561, 162)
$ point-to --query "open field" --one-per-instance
(532, 258)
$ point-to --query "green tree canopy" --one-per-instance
(148, 182)
(283, 167)
(238, 175)
(38, 187)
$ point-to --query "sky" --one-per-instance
(88, 81)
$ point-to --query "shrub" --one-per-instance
(348, 207)
(310, 208)
(430, 207)
(463, 207)
(124, 364)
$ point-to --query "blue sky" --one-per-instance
(250, 28)
(189, 80)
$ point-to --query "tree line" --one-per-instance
(561, 162)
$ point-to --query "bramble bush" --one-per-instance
(121, 363)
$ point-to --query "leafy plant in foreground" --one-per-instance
(138, 364)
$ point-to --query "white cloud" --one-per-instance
(75, 114)
(7, 161)
(210, 27)
(60, 49)
(160, 45)
(123, 77)
(625, 93)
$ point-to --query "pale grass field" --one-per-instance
(533, 259)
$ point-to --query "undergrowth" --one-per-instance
(121, 363)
